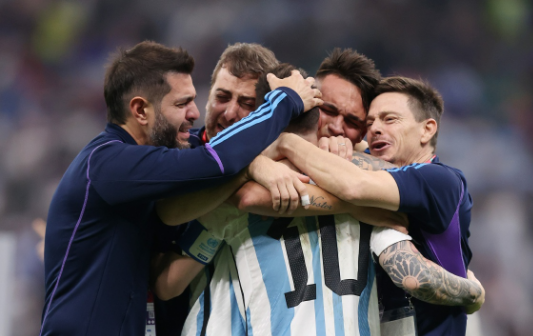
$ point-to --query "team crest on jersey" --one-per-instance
(212, 242)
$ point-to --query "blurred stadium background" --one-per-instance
(479, 54)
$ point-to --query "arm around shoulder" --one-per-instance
(427, 281)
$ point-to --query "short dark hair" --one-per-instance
(425, 102)
(305, 122)
(142, 70)
(354, 67)
(245, 59)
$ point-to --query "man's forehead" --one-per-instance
(389, 102)
(181, 83)
(226, 81)
(341, 95)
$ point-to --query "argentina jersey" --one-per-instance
(301, 276)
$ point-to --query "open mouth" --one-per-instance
(380, 145)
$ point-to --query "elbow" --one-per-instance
(166, 293)
(244, 202)
(165, 213)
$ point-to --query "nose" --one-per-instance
(375, 128)
(193, 113)
(232, 112)
(336, 125)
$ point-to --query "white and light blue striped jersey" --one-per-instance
(301, 276)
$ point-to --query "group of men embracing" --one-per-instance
(275, 218)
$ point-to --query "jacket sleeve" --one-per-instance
(127, 173)
(429, 190)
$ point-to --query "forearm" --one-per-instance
(254, 198)
(183, 208)
(172, 273)
(341, 178)
(425, 280)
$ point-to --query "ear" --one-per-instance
(138, 109)
(428, 130)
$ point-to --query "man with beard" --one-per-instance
(98, 239)
(231, 98)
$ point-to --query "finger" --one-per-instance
(310, 80)
(317, 102)
(323, 143)
(303, 178)
(317, 93)
(276, 203)
(341, 146)
(296, 73)
(349, 149)
(285, 199)
(273, 81)
(333, 145)
(302, 191)
(294, 196)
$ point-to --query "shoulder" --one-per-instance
(434, 174)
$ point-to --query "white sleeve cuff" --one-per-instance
(383, 237)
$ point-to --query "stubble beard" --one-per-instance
(164, 133)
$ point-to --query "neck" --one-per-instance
(420, 157)
(136, 133)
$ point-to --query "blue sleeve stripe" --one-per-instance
(260, 111)
(413, 165)
(252, 119)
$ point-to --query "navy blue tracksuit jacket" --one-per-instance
(98, 240)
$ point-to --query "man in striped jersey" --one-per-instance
(403, 125)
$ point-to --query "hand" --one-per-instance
(337, 145)
(285, 185)
(310, 97)
(381, 217)
(474, 307)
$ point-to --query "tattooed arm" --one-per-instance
(429, 282)
(369, 162)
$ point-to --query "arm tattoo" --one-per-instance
(319, 202)
(369, 162)
(425, 280)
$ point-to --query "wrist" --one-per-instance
(284, 144)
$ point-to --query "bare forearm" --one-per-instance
(181, 209)
(254, 198)
(172, 273)
(425, 280)
(340, 177)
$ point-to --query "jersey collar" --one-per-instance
(120, 132)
